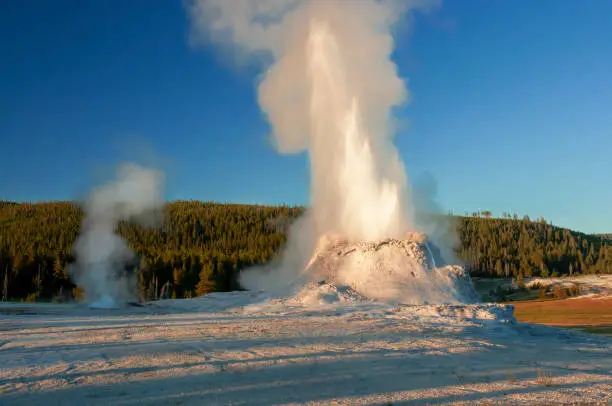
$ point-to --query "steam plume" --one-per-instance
(329, 89)
(440, 227)
(101, 254)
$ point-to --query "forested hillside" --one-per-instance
(201, 247)
(509, 246)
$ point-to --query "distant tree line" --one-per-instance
(510, 246)
(202, 246)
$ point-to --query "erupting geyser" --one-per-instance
(329, 90)
(101, 254)
(352, 194)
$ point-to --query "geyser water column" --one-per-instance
(350, 197)
(101, 254)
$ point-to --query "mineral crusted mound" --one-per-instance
(321, 293)
(407, 271)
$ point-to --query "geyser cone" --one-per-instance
(390, 270)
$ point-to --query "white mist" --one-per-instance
(101, 253)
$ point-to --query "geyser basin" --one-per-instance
(390, 270)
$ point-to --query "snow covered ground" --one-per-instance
(236, 348)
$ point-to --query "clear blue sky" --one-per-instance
(511, 110)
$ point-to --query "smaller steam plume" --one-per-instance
(101, 254)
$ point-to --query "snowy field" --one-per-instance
(222, 349)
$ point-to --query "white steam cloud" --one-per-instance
(329, 88)
(440, 227)
(101, 253)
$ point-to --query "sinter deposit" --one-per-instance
(397, 271)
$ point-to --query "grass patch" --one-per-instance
(486, 285)
(522, 295)
(567, 312)
(501, 290)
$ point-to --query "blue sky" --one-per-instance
(510, 107)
